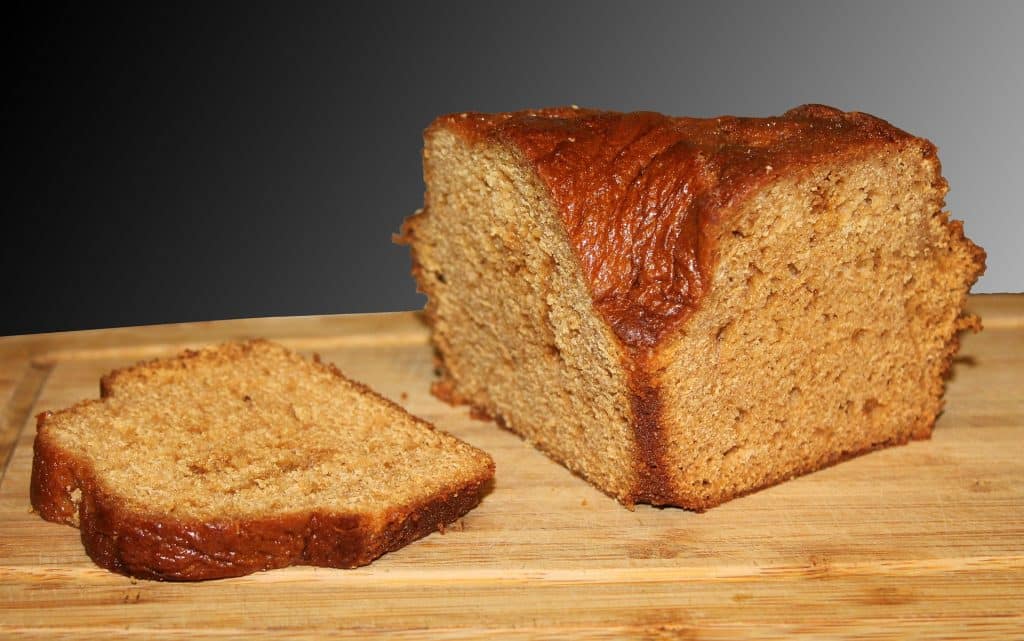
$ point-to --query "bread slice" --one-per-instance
(685, 310)
(244, 457)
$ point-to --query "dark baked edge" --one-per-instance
(168, 549)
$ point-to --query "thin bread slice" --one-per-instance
(245, 457)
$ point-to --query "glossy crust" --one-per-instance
(640, 193)
(155, 546)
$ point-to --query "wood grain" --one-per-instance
(922, 541)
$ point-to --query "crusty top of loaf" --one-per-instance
(640, 193)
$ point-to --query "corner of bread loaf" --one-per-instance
(655, 482)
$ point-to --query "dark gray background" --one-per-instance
(202, 162)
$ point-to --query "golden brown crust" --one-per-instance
(167, 549)
(64, 489)
(609, 172)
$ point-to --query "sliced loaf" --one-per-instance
(684, 310)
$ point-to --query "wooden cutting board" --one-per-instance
(925, 540)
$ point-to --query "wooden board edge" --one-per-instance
(998, 311)
(966, 627)
(78, 344)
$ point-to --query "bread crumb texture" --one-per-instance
(246, 456)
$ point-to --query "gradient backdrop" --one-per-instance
(214, 161)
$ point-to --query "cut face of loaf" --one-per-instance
(686, 310)
(246, 457)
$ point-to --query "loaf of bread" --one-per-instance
(246, 457)
(685, 310)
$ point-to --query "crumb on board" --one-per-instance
(457, 526)
(479, 414)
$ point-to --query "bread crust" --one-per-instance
(607, 171)
(157, 547)
(65, 489)
(653, 483)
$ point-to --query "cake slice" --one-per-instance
(685, 310)
(245, 457)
